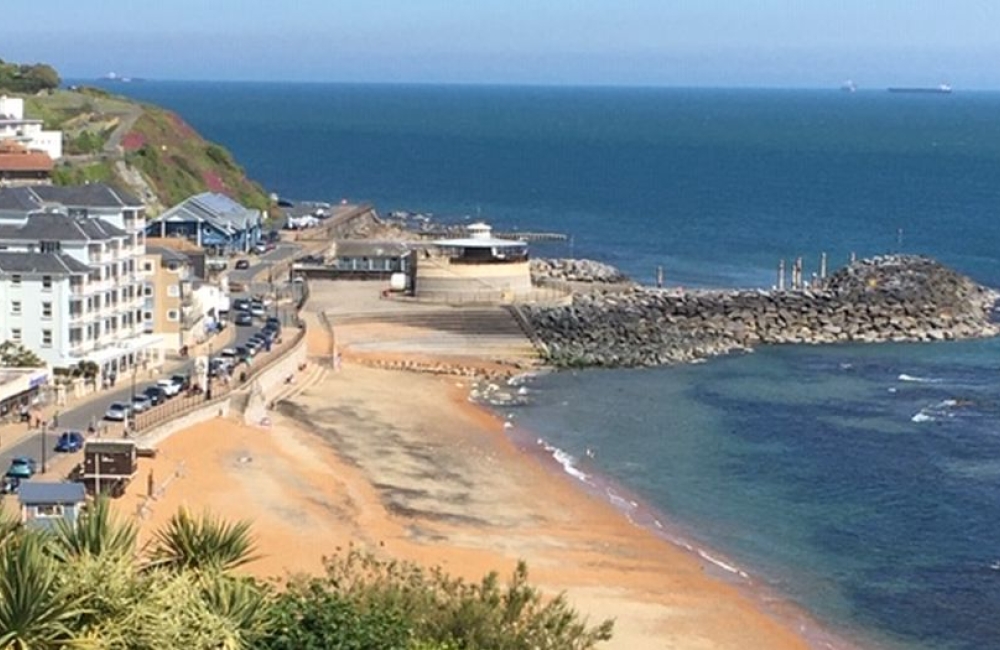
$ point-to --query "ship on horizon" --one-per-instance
(849, 87)
(941, 89)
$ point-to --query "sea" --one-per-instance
(860, 483)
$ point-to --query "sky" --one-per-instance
(755, 43)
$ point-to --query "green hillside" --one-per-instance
(145, 149)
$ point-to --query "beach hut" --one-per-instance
(43, 503)
(109, 465)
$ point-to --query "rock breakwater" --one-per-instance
(888, 298)
(575, 270)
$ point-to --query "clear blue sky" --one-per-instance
(659, 42)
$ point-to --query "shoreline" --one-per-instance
(639, 513)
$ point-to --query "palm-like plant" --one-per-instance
(36, 612)
(206, 543)
(242, 603)
(96, 534)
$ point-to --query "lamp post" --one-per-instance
(132, 413)
(45, 445)
(208, 373)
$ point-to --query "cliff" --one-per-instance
(143, 148)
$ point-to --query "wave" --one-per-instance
(922, 417)
(725, 566)
(566, 460)
(919, 380)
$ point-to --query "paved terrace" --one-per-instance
(367, 325)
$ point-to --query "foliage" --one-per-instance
(96, 534)
(27, 78)
(434, 607)
(86, 142)
(85, 586)
(15, 355)
(97, 172)
(205, 543)
(36, 611)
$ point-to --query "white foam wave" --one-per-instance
(919, 380)
(922, 417)
(566, 460)
(725, 566)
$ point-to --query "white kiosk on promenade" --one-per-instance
(477, 268)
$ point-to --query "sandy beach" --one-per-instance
(404, 465)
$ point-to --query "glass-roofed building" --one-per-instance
(212, 221)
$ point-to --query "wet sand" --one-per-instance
(404, 465)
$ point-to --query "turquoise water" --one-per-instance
(862, 482)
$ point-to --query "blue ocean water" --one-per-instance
(862, 482)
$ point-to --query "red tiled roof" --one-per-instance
(16, 158)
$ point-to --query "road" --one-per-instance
(82, 416)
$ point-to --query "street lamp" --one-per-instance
(45, 445)
(132, 409)
(208, 373)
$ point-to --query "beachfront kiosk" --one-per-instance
(476, 268)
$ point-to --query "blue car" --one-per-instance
(21, 468)
(70, 441)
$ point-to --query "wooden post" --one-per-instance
(659, 277)
(781, 275)
(822, 266)
(854, 257)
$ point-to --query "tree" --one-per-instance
(206, 543)
(15, 355)
(36, 611)
(95, 534)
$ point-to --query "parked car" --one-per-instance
(242, 353)
(257, 309)
(241, 304)
(274, 322)
(141, 403)
(242, 265)
(118, 412)
(183, 381)
(243, 318)
(22, 468)
(170, 389)
(260, 249)
(157, 394)
(69, 441)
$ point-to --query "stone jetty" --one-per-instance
(888, 298)
(575, 270)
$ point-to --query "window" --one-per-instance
(15, 307)
(174, 290)
(147, 315)
(173, 266)
(46, 283)
(172, 315)
(15, 333)
(49, 510)
(15, 280)
(148, 291)
(47, 338)
(147, 266)
(46, 310)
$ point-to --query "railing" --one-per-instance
(182, 405)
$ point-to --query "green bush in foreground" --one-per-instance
(89, 586)
(365, 602)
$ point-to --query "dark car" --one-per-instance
(155, 394)
(242, 265)
(181, 380)
(243, 318)
(241, 304)
(69, 441)
(242, 353)
(274, 323)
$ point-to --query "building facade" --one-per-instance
(71, 280)
(15, 127)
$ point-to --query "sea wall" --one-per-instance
(890, 298)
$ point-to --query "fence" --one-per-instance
(221, 391)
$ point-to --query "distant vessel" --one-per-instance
(942, 89)
(849, 87)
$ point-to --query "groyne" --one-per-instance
(888, 298)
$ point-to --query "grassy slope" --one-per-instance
(174, 159)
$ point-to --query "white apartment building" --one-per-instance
(71, 277)
(28, 132)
